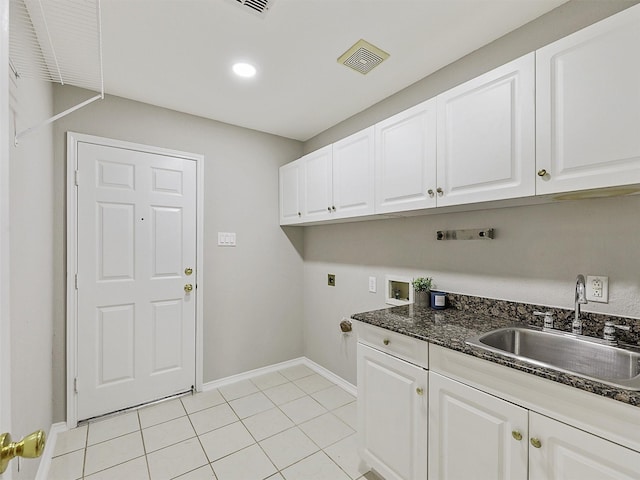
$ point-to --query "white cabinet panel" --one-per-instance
(392, 415)
(486, 136)
(588, 107)
(353, 170)
(290, 194)
(473, 434)
(317, 185)
(568, 453)
(406, 160)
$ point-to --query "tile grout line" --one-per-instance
(296, 424)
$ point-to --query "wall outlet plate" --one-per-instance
(597, 288)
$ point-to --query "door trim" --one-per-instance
(5, 134)
(73, 139)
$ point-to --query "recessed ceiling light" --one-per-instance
(245, 70)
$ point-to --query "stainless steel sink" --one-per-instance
(570, 353)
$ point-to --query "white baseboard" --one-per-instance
(251, 373)
(49, 448)
(341, 382)
(329, 375)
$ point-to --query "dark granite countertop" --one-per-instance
(468, 316)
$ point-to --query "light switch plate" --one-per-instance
(226, 239)
(373, 287)
(597, 288)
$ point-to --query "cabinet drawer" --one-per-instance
(408, 348)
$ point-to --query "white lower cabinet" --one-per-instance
(565, 453)
(473, 434)
(392, 415)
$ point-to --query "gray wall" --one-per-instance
(31, 264)
(538, 251)
(253, 292)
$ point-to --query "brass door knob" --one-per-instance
(419, 391)
(188, 271)
(30, 446)
(188, 287)
(542, 172)
(385, 341)
(516, 435)
(536, 442)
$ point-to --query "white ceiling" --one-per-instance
(178, 53)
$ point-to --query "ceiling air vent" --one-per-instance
(257, 7)
(363, 57)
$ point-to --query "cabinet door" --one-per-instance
(353, 180)
(406, 160)
(317, 185)
(473, 434)
(486, 136)
(290, 194)
(568, 453)
(392, 415)
(588, 107)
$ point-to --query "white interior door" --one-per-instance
(136, 240)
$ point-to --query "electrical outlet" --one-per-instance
(597, 288)
(331, 280)
(373, 287)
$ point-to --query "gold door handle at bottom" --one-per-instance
(536, 442)
(188, 287)
(30, 446)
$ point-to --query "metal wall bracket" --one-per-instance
(468, 234)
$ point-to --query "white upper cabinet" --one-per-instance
(588, 107)
(290, 194)
(406, 160)
(353, 173)
(486, 137)
(317, 179)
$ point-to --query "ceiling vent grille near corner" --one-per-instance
(363, 57)
(257, 7)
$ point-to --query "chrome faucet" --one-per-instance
(580, 298)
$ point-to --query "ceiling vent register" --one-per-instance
(257, 7)
(363, 57)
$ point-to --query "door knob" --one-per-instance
(188, 287)
(30, 446)
(188, 271)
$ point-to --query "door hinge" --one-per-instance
(77, 177)
(75, 385)
(76, 281)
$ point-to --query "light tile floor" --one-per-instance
(292, 424)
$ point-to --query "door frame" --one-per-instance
(5, 134)
(73, 139)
